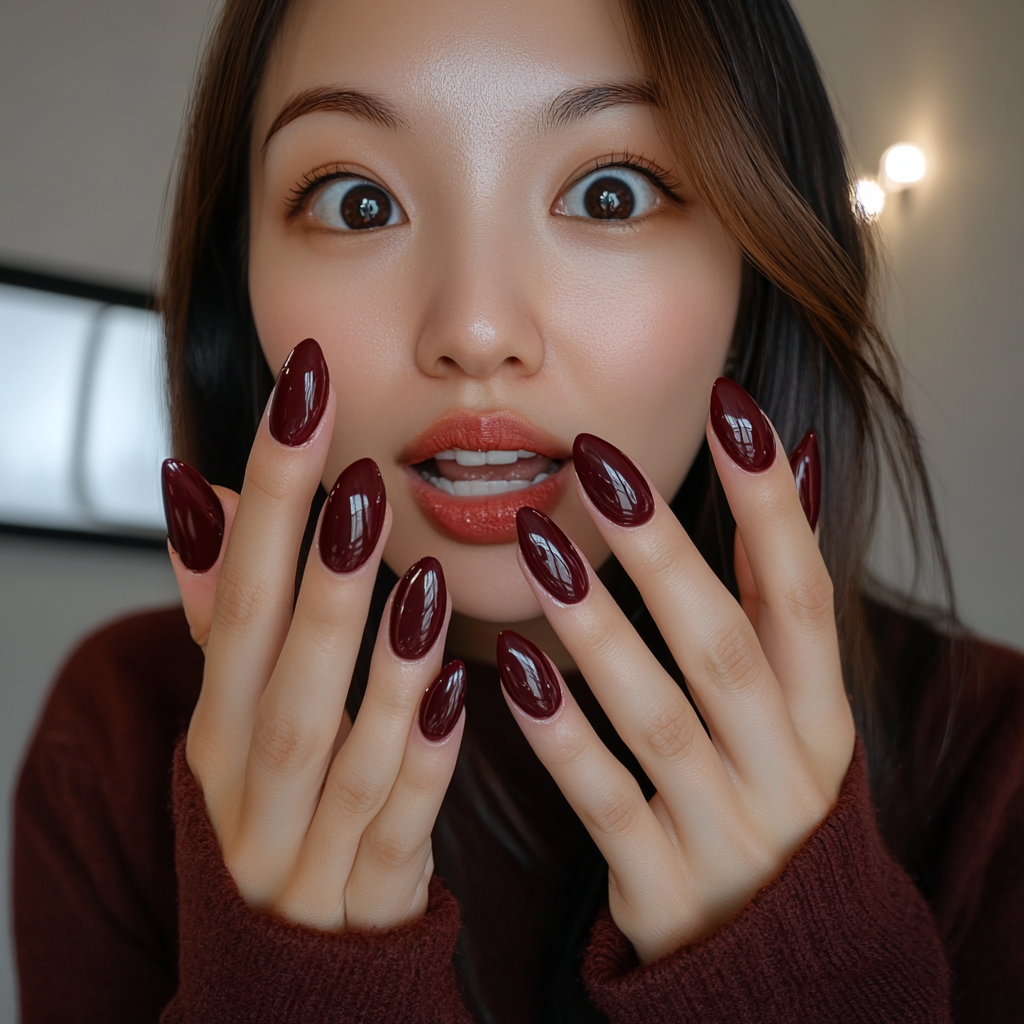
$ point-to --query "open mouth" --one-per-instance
(481, 474)
(470, 473)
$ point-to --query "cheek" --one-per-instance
(647, 338)
(356, 308)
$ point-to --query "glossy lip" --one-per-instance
(490, 519)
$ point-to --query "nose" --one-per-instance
(480, 320)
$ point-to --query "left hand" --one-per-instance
(733, 803)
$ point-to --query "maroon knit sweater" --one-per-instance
(125, 912)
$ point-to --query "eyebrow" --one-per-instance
(362, 105)
(574, 104)
(566, 108)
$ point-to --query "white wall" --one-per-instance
(948, 75)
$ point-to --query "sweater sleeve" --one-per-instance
(237, 964)
(841, 935)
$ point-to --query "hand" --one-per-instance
(734, 802)
(324, 822)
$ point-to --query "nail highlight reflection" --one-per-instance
(417, 611)
(527, 675)
(552, 559)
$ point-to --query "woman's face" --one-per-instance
(470, 205)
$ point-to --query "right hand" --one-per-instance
(320, 820)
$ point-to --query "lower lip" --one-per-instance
(489, 520)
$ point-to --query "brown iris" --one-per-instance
(365, 206)
(609, 199)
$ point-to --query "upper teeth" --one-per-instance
(493, 458)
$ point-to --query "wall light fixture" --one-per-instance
(902, 166)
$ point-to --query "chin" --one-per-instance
(485, 581)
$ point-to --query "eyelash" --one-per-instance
(312, 182)
(667, 183)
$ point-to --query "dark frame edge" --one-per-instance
(75, 287)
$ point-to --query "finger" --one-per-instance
(301, 712)
(645, 705)
(199, 588)
(745, 585)
(253, 603)
(710, 638)
(599, 788)
(795, 616)
(388, 884)
(365, 768)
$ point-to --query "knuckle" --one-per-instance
(571, 751)
(617, 811)
(272, 479)
(354, 796)
(392, 851)
(669, 732)
(283, 743)
(730, 659)
(662, 564)
(241, 600)
(810, 599)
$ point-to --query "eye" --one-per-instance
(609, 193)
(354, 204)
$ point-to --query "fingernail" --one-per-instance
(612, 481)
(551, 556)
(353, 516)
(442, 703)
(741, 426)
(417, 611)
(300, 394)
(527, 676)
(195, 518)
(805, 462)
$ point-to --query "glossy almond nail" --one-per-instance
(442, 703)
(300, 394)
(805, 461)
(741, 427)
(612, 481)
(551, 556)
(195, 517)
(353, 517)
(527, 676)
(417, 611)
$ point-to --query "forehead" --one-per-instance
(476, 62)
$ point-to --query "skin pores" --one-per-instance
(489, 290)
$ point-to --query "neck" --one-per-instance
(474, 640)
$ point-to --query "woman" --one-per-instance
(528, 239)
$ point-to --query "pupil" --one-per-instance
(365, 206)
(609, 199)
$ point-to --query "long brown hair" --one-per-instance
(749, 117)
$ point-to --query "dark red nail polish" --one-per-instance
(527, 676)
(612, 482)
(741, 426)
(418, 608)
(353, 516)
(300, 394)
(442, 703)
(551, 556)
(195, 518)
(806, 465)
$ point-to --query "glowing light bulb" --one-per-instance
(902, 165)
(868, 198)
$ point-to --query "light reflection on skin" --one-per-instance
(484, 299)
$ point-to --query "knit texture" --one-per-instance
(237, 964)
(840, 935)
(109, 882)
